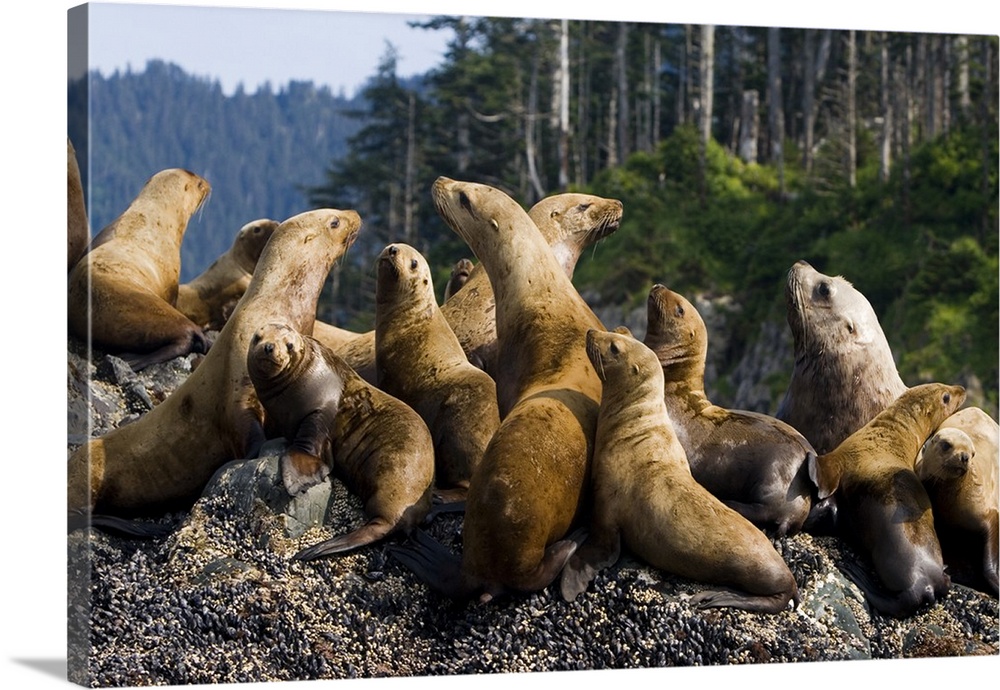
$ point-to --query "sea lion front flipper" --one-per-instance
(718, 598)
(596, 553)
(302, 464)
(433, 564)
(991, 562)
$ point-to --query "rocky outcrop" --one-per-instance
(220, 600)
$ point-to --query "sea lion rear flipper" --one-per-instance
(371, 531)
(717, 598)
(898, 605)
(593, 555)
(117, 526)
(433, 564)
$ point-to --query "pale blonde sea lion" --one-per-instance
(122, 291)
(77, 225)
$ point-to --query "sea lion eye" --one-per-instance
(255, 339)
(290, 347)
(463, 201)
(413, 264)
(614, 348)
(335, 223)
(945, 447)
(679, 311)
(947, 398)
(583, 207)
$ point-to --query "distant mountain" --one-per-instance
(258, 151)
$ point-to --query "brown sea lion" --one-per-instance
(420, 361)
(754, 463)
(958, 466)
(526, 492)
(77, 225)
(844, 372)
(645, 497)
(459, 277)
(377, 446)
(209, 299)
(569, 223)
(883, 507)
(164, 459)
(122, 292)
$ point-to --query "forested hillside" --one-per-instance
(736, 151)
(256, 150)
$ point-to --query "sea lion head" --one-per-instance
(473, 210)
(675, 330)
(178, 187)
(275, 350)
(618, 356)
(572, 222)
(827, 314)
(403, 274)
(460, 272)
(250, 241)
(946, 455)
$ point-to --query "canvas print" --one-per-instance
(577, 345)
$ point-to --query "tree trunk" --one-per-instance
(656, 94)
(706, 82)
(749, 126)
(530, 151)
(409, 185)
(684, 77)
(775, 114)
(852, 77)
(885, 101)
(621, 77)
(964, 97)
(563, 144)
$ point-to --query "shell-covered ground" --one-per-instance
(219, 598)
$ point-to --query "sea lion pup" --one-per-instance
(755, 464)
(958, 466)
(419, 360)
(459, 277)
(383, 450)
(526, 492)
(164, 459)
(122, 292)
(569, 223)
(209, 299)
(644, 495)
(844, 372)
(883, 507)
(77, 225)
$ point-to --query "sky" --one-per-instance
(32, 287)
(253, 45)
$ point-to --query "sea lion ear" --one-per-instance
(623, 330)
(494, 223)
(824, 471)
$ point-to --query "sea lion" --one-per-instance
(383, 450)
(209, 299)
(419, 360)
(958, 466)
(645, 496)
(459, 277)
(882, 506)
(844, 372)
(754, 463)
(77, 225)
(165, 458)
(122, 291)
(526, 493)
(569, 223)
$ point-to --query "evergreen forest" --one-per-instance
(736, 151)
